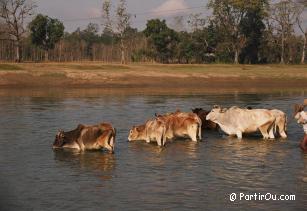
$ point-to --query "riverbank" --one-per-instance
(153, 76)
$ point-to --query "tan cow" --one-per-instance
(152, 131)
(87, 138)
(182, 125)
(237, 121)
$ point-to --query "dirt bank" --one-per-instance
(153, 76)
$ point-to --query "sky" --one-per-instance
(77, 13)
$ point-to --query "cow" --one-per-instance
(87, 138)
(206, 124)
(151, 131)
(236, 121)
(280, 122)
(181, 125)
(301, 118)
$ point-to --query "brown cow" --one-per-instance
(206, 124)
(180, 125)
(87, 138)
(153, 130)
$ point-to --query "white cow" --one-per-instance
(280, 122)
(236, 121)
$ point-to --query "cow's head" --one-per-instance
(301, 117)
(297, 110)
(135, 133)
(59, 139)
(196, 110)
(215, 113)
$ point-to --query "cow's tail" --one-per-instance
(286, 123)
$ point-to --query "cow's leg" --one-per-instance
(282, 129)
(303, 144)
(193, 132)
(199, 132)
(264, 130)
(239, 134)
(271, 133)
(164, 139)
(159, 140)
(80, 144)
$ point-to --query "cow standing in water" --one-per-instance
(182, 125)
(237, 121)
(168, 127)
(206, 124)
(87, 138)
(151, 131)
(301, 117)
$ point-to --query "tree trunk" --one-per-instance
(304, 50)
(236, 56)
(122, 49)
(282, 61)
(18, 52)
(46, 55)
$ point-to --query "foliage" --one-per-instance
(163, 39)
(45, 31)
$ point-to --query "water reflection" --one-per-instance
(97, 162)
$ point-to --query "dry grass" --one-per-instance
(151, 75)
(216, 69)
(8, 67)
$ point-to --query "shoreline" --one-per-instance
(149, 77)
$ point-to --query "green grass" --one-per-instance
(10, 67)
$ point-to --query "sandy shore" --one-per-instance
(153, 76)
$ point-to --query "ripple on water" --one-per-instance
(139, 176)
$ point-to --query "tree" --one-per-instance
(46, 32)
(123, 22)
(186, 48)
(106, 16)
(196, 22)
(304, 32)
(228, 15)
(14, 13)
(90, 36)
(252, 27)
(163, 38)
(284, 15)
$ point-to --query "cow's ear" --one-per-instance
(216, 106)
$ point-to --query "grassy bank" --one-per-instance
(99, 75)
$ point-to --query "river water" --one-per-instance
(140, 176)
